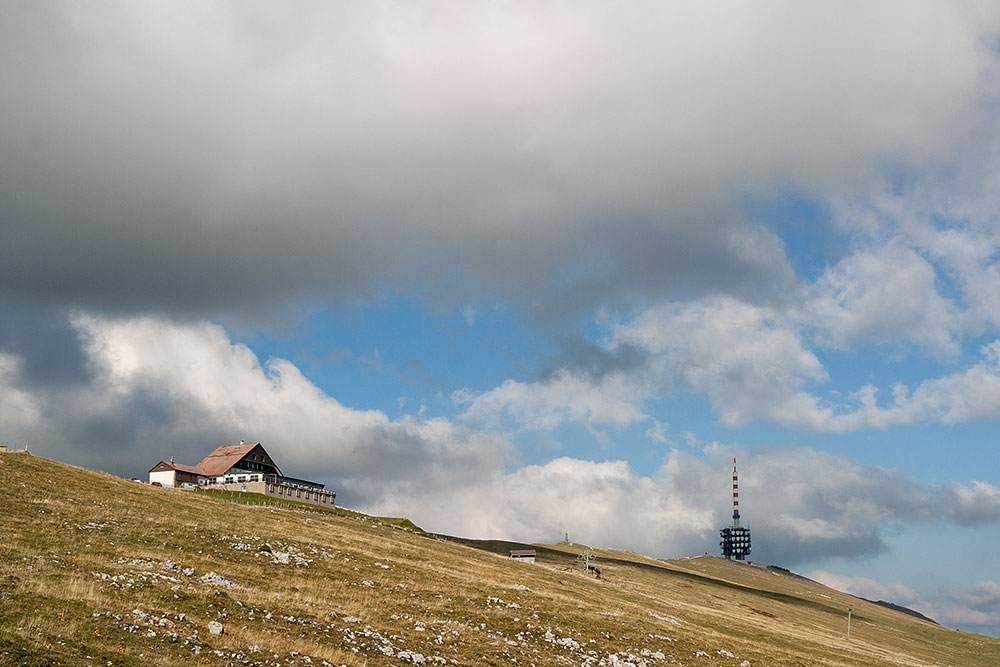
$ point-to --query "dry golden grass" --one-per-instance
(98, 570)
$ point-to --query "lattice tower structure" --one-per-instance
(736, 539)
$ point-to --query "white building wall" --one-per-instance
(164, 477)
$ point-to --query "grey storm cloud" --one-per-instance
(50, 348)
(236, 157)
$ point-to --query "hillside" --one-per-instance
(95, 570)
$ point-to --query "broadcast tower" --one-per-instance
(736, 540)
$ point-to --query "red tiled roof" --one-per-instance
(191, 469)
(224, 458)
(194, 470)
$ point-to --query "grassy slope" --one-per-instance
(248, 498)
(98, 570)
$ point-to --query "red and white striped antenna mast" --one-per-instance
(736, 497)
(736, 540)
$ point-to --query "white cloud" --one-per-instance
(749, 362)
(565, 396)
(978, 605)
(658, 432)
(976, 501)
(753, 364)
(597, 503)
(962, 242)
(884, 295)
(802, 505)
(969, 394)
(163, 389)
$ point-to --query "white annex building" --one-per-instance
(243, 467)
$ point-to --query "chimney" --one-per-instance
(171, 459)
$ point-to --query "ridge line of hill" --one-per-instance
(97, 570)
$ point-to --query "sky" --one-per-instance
(526, 270)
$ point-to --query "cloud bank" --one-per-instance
(249, 156)
(251, 159)
(753, 364)
(161, 389)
